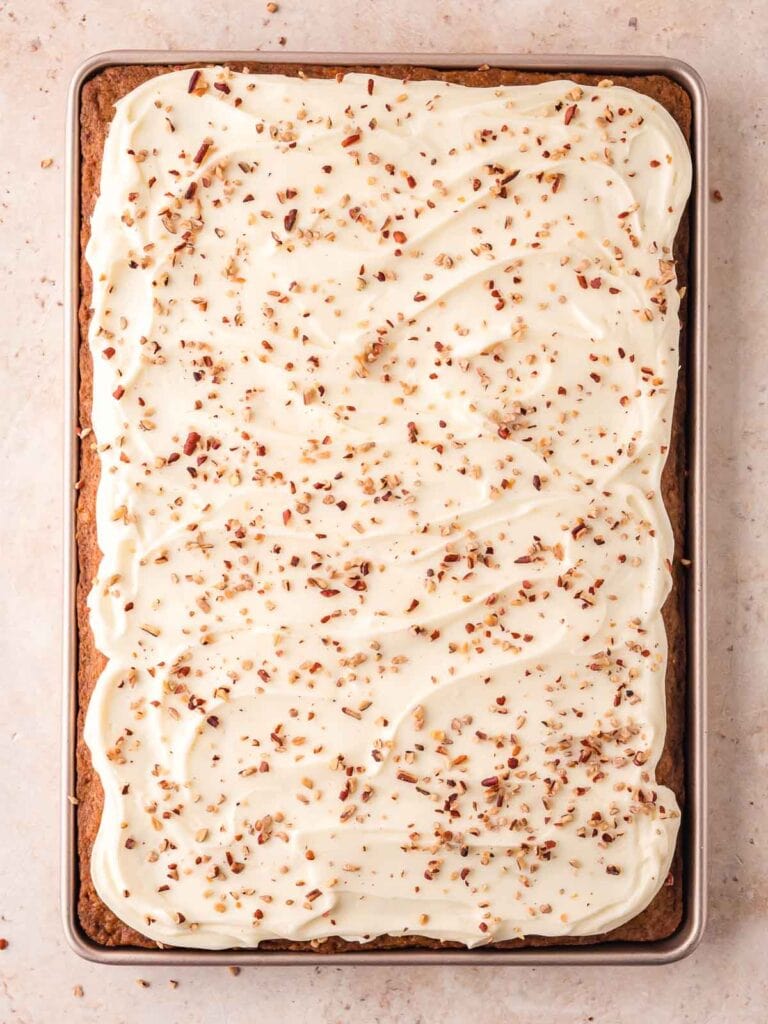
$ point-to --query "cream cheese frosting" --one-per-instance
(384, 376)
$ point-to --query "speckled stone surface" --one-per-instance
(41, 42)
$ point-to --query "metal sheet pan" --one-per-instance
(685, 940)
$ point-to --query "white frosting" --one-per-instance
(385, 651)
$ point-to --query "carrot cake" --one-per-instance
(381, 373)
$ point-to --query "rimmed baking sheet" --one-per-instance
(693, 833)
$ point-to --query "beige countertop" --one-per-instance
(41, 43)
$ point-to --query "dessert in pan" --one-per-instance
(379, 637)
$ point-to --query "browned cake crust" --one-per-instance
(663, 916)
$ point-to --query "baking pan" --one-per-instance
(693, 832)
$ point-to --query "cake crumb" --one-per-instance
(47, 162)
(78, 992)
(717, 195)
